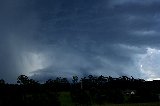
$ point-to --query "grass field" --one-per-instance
(133, 104)
(65, 100)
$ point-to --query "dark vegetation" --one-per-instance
(84, 92)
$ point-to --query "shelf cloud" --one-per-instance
(51, 38)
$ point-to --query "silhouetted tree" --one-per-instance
(75, 79)
(2, 82)
(23, 79)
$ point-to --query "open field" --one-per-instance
(65, 100)
(133, 104)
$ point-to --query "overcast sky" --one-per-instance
(49, 38)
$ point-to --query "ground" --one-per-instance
(65, 100)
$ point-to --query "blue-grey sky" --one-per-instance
(50, 38)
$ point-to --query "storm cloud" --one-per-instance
(51, 38)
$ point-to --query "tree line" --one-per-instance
(84, 91)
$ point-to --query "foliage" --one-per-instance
(89, 90)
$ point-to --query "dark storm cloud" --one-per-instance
(68, 37)
(18, 25)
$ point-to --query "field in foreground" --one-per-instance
(65, 100)
(133, 104)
